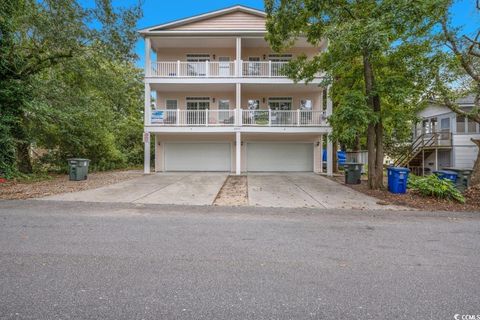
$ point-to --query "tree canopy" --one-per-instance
(374, 63)
(68, 83)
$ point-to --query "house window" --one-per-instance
(280, 103)
(471, 126)
(460, 124)
(196, 64)
(306, 104)
(445, 124)
(223, 107)
(171, 104)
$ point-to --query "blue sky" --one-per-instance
(161, 11)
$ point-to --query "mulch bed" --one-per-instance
(13, 190)
(415, 200)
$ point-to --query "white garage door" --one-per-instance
(279, 156)
(197, 156)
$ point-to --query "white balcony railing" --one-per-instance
(208, 69)
(193, 117)
(265, 118)
(283, 118)
(263, 69)
(185, 69)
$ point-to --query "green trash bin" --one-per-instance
(78, 169)
(463, 177)
(353, 172)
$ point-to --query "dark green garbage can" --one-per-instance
(463, 177)
(78, 169)
(353, 172)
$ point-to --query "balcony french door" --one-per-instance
(196, 107)
(277, 105)
(196, 64)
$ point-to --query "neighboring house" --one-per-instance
(222, 101)
(442, 139)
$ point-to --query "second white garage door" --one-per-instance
(279, 156)
(197, 156)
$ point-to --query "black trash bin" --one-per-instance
(353, 172)
(78, 168)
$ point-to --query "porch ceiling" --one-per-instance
(193, 42)
(281, 87)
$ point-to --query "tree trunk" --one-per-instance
(375, 129)
(378, 142)
(335, 156)
(475, 177)
(23, 158)
(371, 156)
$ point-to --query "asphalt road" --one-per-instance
(67, 260)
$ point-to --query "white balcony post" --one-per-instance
(238, 145)
(238, 58)
(148, 62)
(270, 68)
(207, 71)
(238, 102)
(269, 117)
(178, 117)
(178, 68)
(147, 106)
(206, 117)
(298, 117)
(321, 153)
(329, 102)
(146, 155)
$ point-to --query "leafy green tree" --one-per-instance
(456, 73)
(37, 36)
(374, 56)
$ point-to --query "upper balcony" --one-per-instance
(220, 59)
(218, 69)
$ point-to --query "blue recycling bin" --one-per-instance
(446, 175)
(397, 179)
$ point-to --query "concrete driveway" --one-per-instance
(266, 190)
(306, 190)
(165, 188)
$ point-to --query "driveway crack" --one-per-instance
(306, 192)
(146, 195)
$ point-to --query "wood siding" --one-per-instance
(231, 21)
(465, 151)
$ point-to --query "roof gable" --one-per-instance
(228, 19)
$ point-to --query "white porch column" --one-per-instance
(147, 107)
(146, 142)
(320, 150)
(436, 159)
(330, 150)
(238, 67)
(238, 145)
(148, 60)
(146, 136)
(329, 109)
(238, 102)
(155, 161)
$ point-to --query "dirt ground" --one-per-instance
(414, 200)
(233, 193)
(61, 184)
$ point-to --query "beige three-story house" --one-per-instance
(217, 99)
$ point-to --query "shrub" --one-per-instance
(432, 186)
